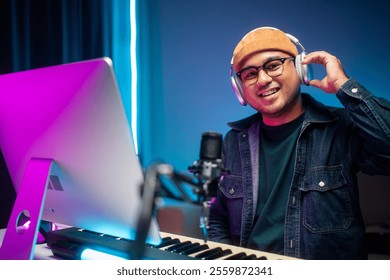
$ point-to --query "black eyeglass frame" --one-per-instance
(282, 60)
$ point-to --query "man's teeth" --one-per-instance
(264, 94)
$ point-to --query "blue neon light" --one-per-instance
(91, 254)
(134, 71)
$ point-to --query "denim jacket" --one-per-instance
(323, 216)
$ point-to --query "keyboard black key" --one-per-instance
(177, 246)
(187, 247)
(238, 256)
(168, 242)
(207, 253)
(213, 254)
(219, 255)
(195, 249)
(250, 257)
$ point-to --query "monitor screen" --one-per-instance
(73, 114)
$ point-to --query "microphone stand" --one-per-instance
(208, 173)
(150, 188)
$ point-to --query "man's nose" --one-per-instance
(263, 77)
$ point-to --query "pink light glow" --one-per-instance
(34, 109)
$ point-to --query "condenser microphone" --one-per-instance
(209, 165)
(211, 146)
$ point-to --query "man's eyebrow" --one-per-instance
(272, 58)
(268, 59)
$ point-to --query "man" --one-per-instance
(292, 187)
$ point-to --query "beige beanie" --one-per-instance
(262, 39)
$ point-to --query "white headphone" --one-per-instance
(305, 72)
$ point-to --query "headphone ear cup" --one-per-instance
(304, 71)
(237, 88)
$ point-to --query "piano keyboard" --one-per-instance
(214, 250)
(67, 243)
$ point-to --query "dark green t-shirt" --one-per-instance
(276, 168)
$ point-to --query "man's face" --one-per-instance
(276, 98)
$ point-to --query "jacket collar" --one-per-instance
(315, 112)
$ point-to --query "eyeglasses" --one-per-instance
(273, 68)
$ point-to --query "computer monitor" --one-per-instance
(74, 114)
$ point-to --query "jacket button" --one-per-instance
(321, 184)
(354, 90)
(231, 191)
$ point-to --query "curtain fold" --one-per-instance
(45, 32)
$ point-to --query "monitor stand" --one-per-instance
(19, 241)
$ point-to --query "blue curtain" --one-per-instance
(37, 33)
(40, 33)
